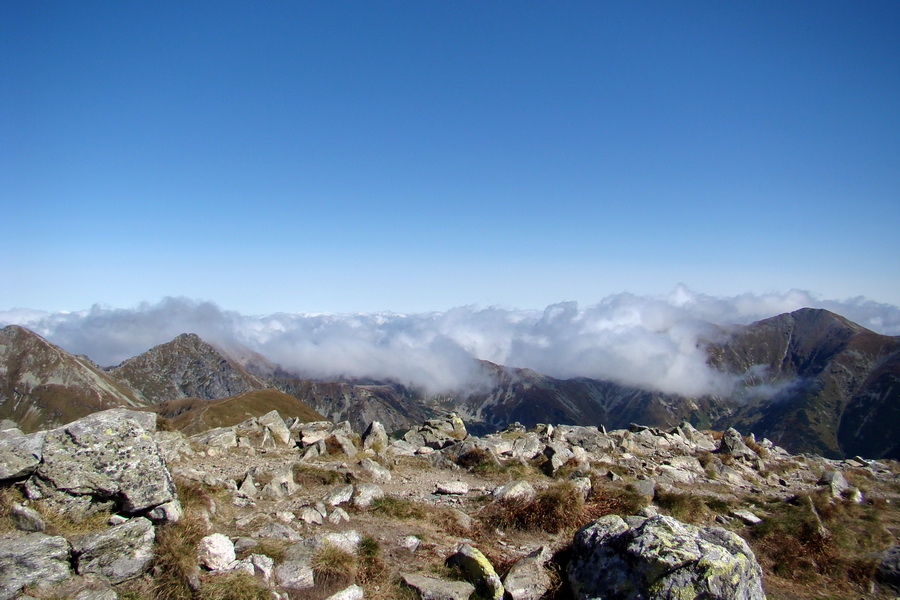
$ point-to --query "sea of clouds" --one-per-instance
(650, 342)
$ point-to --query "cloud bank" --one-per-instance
(649, 342)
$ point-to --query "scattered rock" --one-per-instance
(215, 552)
(273, 422)
(374, 470)
(339, 495)
(733, 444)
(746, 516)
(375, 438)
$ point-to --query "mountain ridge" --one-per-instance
(810, 380)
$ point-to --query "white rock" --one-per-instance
(215, 552)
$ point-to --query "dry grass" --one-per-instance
(557, 508)
(333, 566)
(233, 586)
(684, 507)
(175, 563)
(791, 545)
(307, 475)
(401, 508)
(8, 496)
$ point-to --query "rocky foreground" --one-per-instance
(114, 506)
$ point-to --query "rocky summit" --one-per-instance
(113, 506)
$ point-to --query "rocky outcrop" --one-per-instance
(661, 559)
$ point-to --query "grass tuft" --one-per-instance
(233, 586)
(333, 566)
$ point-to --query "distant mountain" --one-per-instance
(42, 385)
(186, 367)
(810, 380)
(193, 415)
(829, 386)
(529, 397)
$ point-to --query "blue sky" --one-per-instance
(416, 156)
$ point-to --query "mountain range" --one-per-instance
(810, 381)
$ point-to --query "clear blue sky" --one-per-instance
(414, 156)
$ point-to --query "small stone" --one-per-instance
(215, 552)
(339, 495)
(26, 519)
(454, 488)
(746, 516)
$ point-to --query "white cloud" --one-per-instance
(653, 342)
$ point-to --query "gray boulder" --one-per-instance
(375, 438)
(31, 559)
(118, 553)
(733, 444)
(20, 454)
(527, 579)
(275, 424)
(432, 588)
(104, 460)
(661, 559)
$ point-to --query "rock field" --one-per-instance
(114, 506)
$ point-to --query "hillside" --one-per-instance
(42, 385)
(830, 384)
(193, 415)
(186, 367)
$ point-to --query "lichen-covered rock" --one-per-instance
(118, 553)
(661, 559)
(106, 457)
(31, 558)
(478, 570)
(20, 453)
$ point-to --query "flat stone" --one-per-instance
(432, 588)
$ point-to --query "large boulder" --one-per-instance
(732, 443)
(106, 460)
(661, 559)
(31, 559)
